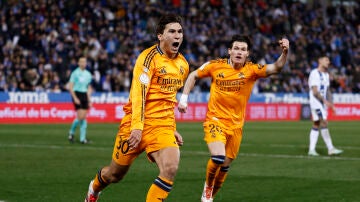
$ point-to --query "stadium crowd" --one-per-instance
(41, 40)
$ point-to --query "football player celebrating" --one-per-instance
(232, 82)
(149, 122)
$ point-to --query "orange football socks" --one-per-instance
(220, 178)
(99, 182)
(159, 190)
(213, 166)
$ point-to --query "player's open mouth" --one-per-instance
(176, 44)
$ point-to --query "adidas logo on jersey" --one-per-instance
(221, 75)
(182, 70)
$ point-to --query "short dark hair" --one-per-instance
(166, 19)
(240, 38)
(324, 54)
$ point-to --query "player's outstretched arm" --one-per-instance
(276, 67)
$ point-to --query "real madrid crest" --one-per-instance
(163, 70)
(241, 75)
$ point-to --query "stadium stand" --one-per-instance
(41, 40)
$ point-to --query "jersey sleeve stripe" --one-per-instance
(143, 98)
(149, 57)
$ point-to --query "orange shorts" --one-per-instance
(153, 139)
(216, 132)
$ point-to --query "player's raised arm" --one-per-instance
(276, 67)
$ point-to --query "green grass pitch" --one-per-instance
(38, 164)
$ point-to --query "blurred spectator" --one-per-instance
(3, 83)
(356, 79)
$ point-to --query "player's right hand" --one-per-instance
(182, 108)
(135, 138)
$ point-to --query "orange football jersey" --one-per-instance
(230, 90)
(156, 81)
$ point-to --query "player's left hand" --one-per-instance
(284, 44)
(330, 106)
(179, 139)
(333, 110)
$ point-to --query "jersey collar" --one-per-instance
(163, 54)
(159, 50)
